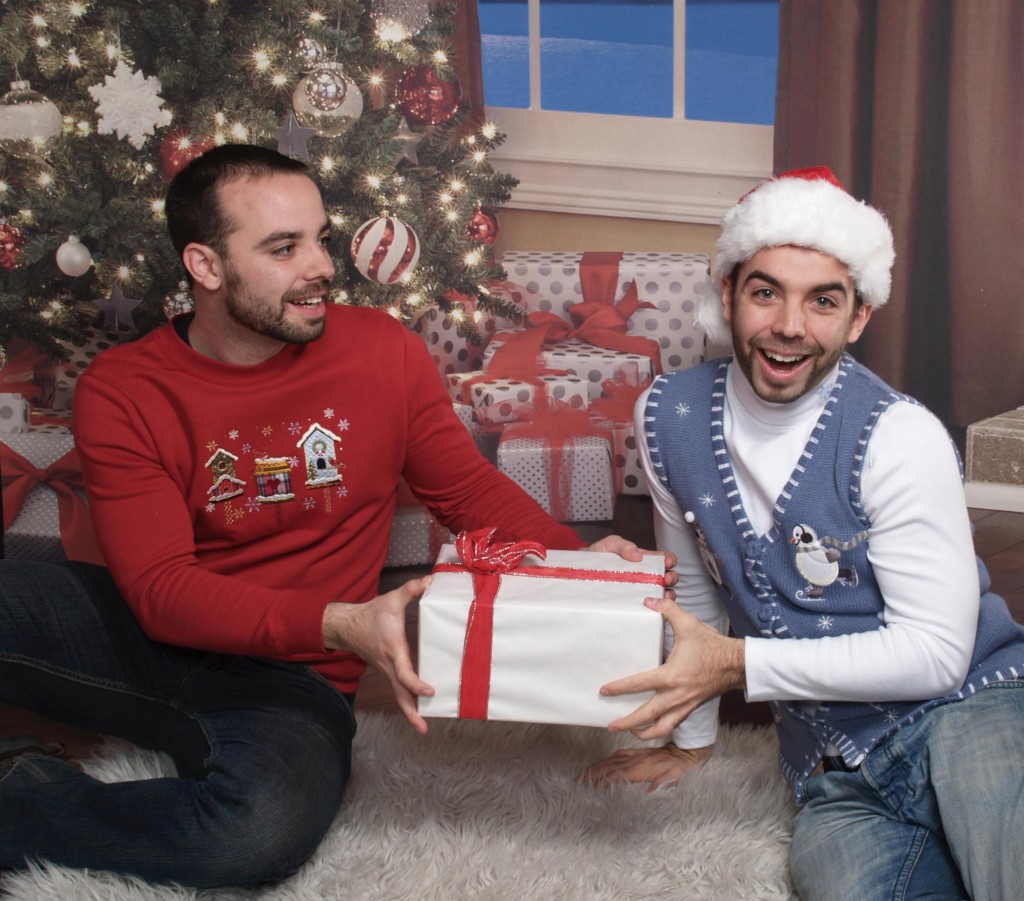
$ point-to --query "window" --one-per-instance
(643, 108)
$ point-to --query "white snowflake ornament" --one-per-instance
(129, 104)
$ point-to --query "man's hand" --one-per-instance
(376, 632)
(657, 766)
(628, 550)
(702, 665)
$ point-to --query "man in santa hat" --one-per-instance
(821, 514)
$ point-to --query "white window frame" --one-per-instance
(628, 166)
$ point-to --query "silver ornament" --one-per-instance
(309, 54)
(326, 87)
(328, 123)
(28, 120)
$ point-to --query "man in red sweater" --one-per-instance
(242, 465)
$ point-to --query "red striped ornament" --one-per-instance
(384, 249)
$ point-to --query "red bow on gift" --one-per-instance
(619, 394)
(597, 320)
(65, 478)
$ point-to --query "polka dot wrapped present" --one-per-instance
(669, 286)
(46, 516)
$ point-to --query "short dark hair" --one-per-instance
(192, 206)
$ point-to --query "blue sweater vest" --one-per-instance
(809, 576)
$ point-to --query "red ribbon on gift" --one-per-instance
(597, 320)
(619, 396)
(64, 476)
(558, 425)
(488, 560)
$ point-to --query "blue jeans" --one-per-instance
(262, 748)
(936, 812)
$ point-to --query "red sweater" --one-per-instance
(233, 503)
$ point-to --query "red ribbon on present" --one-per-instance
(597, 320)
(64, 477)
(488, 560)
(17, 374)
(557, 424)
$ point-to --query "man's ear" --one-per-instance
(204, 265)
(727, 283)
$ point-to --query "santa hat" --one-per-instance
(807, 208)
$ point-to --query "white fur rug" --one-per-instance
(491, 812)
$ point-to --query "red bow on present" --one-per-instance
(487, 559)
(597, 320)
(619, 394)
(65, 478)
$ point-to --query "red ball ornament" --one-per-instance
(483, 227)
(384, 249)
(179, 148)
(425, 97)
(11, 242)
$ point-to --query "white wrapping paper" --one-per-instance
(555, 641)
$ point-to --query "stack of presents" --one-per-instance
(549, 400)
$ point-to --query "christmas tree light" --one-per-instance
(124, 94)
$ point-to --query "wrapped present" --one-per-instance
(485, 437)
(19, 374)
(570, 476)
(498, 400)
(614, 412)
(416, 537)
(80, 353)
(45, 513)
(585, 361)
(514, 632)
(450, 350)
(14, 414)
(668, 286)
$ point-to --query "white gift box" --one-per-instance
(14, 414)
(35, 533)
(450, 350)
(497, 400)
(554, 643)
(673, 282)
(485, 437)
(527, 461)
(585, 361)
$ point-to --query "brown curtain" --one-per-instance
(466, 60)
(918, 107)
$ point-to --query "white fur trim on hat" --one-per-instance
(806, 208)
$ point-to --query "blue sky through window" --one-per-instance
(615, 57)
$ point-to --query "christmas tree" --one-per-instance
(108, 98)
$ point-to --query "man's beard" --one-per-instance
(259, 316)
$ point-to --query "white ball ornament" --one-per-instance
(385, 249)
(28, 120)
(73, 257)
